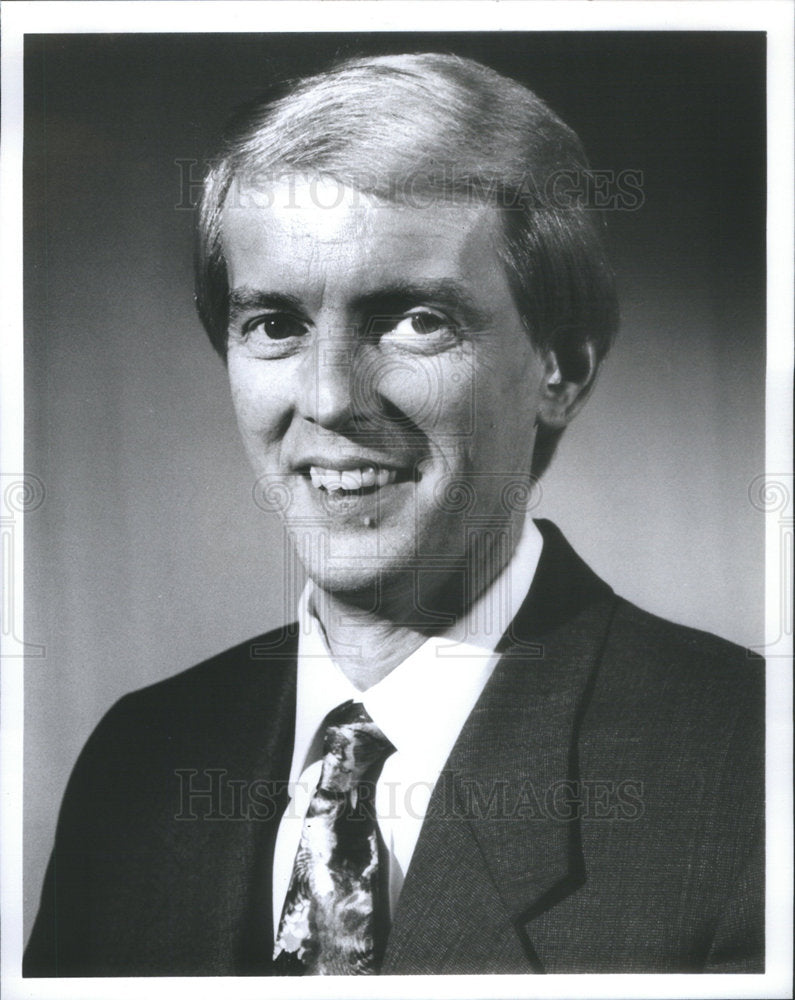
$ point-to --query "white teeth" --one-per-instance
(351, 479)
(333, 480)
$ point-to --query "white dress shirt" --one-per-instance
(421, 707)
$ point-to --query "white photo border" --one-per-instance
(775, 17)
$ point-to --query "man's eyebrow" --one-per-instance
(446, 292)
(389, 299)
(245, 299)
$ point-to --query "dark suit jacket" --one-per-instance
(601, 811)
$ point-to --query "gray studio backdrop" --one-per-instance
(149, 551)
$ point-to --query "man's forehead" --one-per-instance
(317, 221)
(364, 252)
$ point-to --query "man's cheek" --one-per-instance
(417, 387)
(451, 415)
(260, 411)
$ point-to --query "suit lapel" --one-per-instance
(501, 841)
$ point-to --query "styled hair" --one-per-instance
(418, 129)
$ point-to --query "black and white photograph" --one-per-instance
(406, 521)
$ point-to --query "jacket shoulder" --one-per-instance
(254, 665)
(674, 684)
(679, 648)
(198, 711)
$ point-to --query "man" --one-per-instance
(468, 755)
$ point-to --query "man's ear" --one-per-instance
(568, 379)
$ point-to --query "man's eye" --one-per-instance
(277, 326)
(419, 325)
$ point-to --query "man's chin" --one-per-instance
(391, 585)
(355, 581)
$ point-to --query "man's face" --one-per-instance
(384, 385)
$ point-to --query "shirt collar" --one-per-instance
(422, 704)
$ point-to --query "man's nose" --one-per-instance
(328, 391)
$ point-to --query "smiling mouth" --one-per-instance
(364, 479)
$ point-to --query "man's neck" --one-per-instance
(370, 633)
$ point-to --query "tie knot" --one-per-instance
(354, 749)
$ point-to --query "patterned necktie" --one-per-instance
(330, 922)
